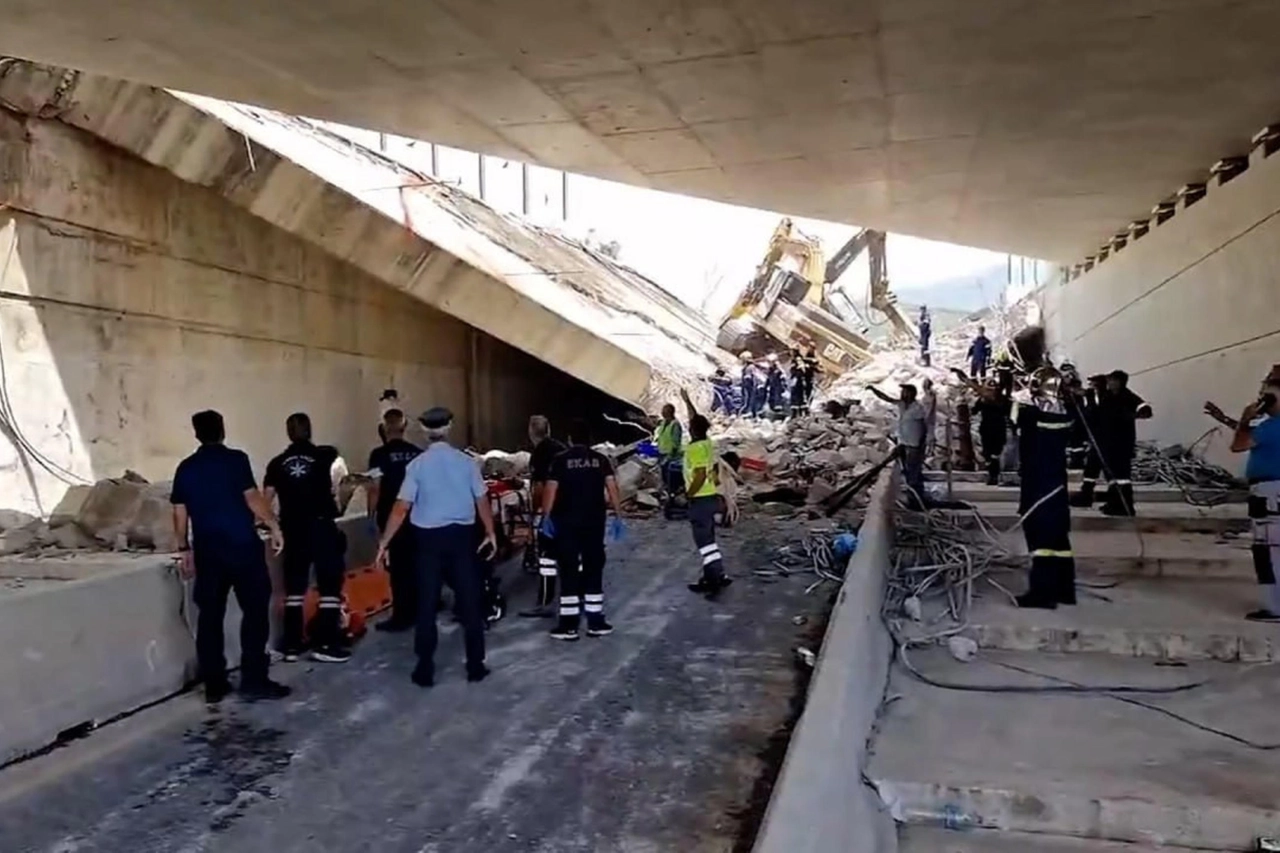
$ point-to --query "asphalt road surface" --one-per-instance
(660, 737)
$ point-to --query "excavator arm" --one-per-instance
(882, 299)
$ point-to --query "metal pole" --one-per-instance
(435, 161)
(950, 466)
(564, 196)
(480, 173)
(524, 188)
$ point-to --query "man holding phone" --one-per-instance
(442, 496)
(1258, 432)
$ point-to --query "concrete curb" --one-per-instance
(1128, 642)
(1196, 824)
(89, 650)
(820, 802)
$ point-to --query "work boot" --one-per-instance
(423, 676)
(263, 689)
(597, 626)
(477, 672)
(332, 653)
(1035, 601)
(565, 629)
(216, 690)
(1263, 615)
(1084, 497)
(1119, 502)
(291, 644)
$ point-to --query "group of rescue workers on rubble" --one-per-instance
(436, 525)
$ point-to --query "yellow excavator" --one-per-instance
(791, 301)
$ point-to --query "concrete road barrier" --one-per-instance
(820, 802)
(110, 633)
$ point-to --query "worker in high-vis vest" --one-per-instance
(669, 439)
(701, 482)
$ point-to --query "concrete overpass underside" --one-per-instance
(1035, 126)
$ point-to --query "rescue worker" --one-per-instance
(1258, 432)
(912, 427)
(797, 370)
(750, 381)
(541, 549)
(387, 465)
(216, 500)
(300, 478)
(994, 409)
(979, 354)
(442, 496)
(701, 473)
(1043, 430)
(1004, 371)
(1118, 413)
(926, 334)
(721, 392)
(669, 440)
(1074, 397)
(580, 489)
(1086, 413)
(929, 399)
(775, 385)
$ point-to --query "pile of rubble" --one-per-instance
(126, 513)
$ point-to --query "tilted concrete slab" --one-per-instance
(530, 288)
(1164, 619)
(1041, 128)
(1155, 555)
(1151, 518)
(1087, 766)
(1142, 494)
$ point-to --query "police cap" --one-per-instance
(437, 417)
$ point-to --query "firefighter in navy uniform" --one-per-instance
(300, 477)
(539, 555)
(387, 464)
(1044, 428)
(1118, 414)
(580, 489)
(1086, 412)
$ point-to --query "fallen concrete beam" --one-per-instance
(1152, 518)
(537, 291)
(820, 802)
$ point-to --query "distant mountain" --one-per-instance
(963, 293)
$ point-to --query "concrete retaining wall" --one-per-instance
(1191, 310)
(820, 803)
(110, 637)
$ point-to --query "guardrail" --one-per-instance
(820, 802)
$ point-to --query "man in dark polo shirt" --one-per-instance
(387, 464)
(580, 489)
(540, 551)
(216, 500)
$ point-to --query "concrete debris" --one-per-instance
(962, 649)
(647, 499)
(152, 525)
(111, 506)
(912, 609)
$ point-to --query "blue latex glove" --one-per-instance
(547, 528)
(615, 530)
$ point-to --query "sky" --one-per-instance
(692, 245)
(702, 251)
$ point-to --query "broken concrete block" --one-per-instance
(962, 649)
(21, 539)
(647, 498)
(630, 474)
(152, 524)
(111, 506)
(778, 460)
(69, 537)
(819, 492)
(68, 509)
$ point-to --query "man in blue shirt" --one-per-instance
(442, 496)
(214, 494)
(979, 354)
(1258, 432)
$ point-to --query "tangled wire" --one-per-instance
(1202, 483)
